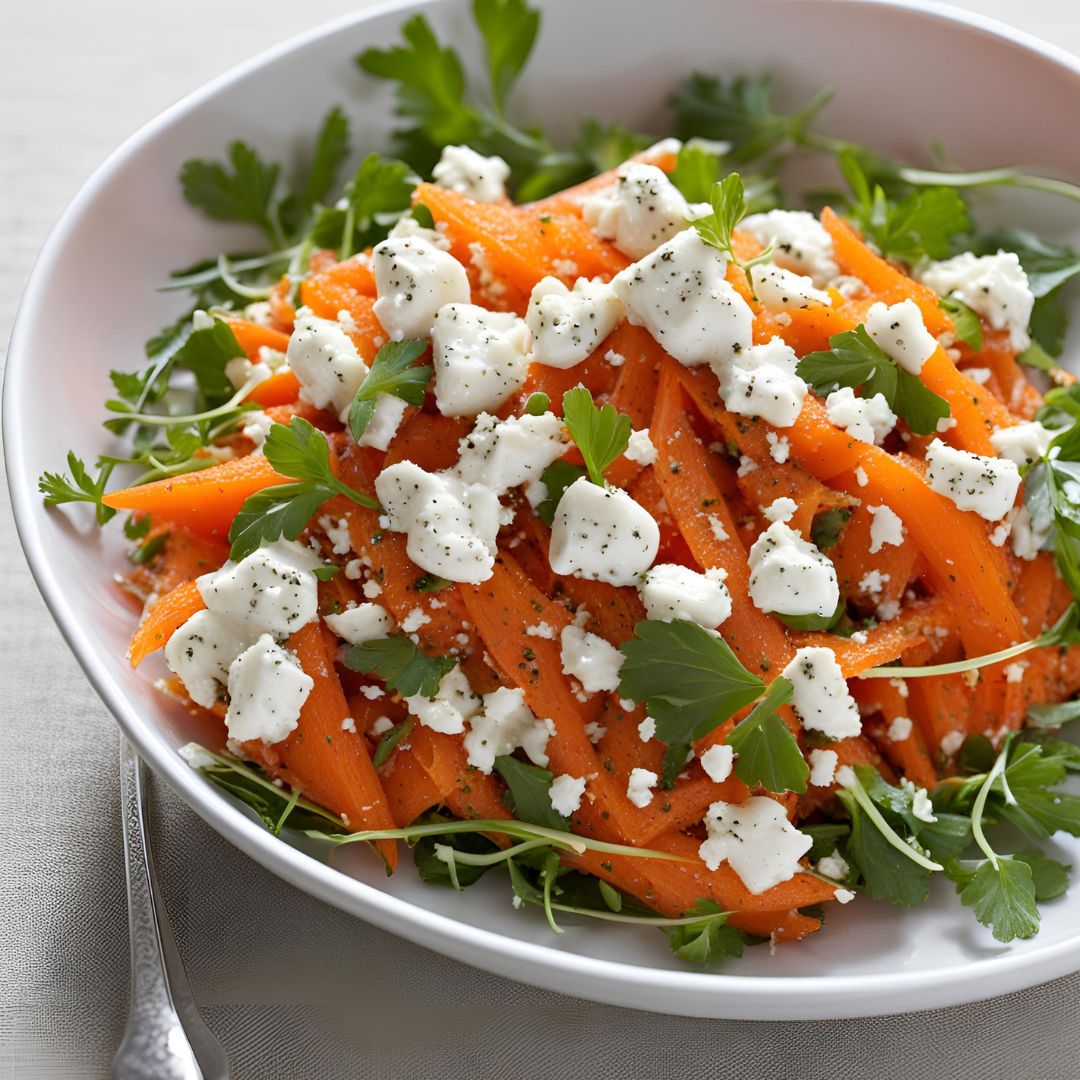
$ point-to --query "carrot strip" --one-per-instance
(253, 337)
(163, 620)
(282, 388)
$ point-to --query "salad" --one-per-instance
(610, 522)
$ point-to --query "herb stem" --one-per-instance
(858, 793)
(249, 292)
(980, 805)
(168, 420)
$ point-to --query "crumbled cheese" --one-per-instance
(761, 381)
(365, 622)
(195, 756)
(615, 359)
(834, 866)
(267, 690)
(757, 841)
(505, 725)
(480, 358)
(595, 731)
(799, 242)
(747, 465)
(542, 630)
(640, 211)
(451, 525)
(781, 290)
(372, 589)
(790, 576)
(414, 279)
(639, 787)
(820, 694)
(899, 330)
(780, 509)
(861, 477)
(1024, 443)
(899, 729)
(681, 295)
(568, 325)
(951, 743)
(823, 767)
(1028, 539)
(408, 228)
(240, 371)
(885, 528)
(921, 806)
(984, 485)
(381, 726)
(718, 762)
(594, 662)
(993, 286)
(337, 532)
(452, 704)
(501, 454)
(671, 592)
(372, 693)
(602, 534)
(256, 427)
(779, 447)
(1014, 673)
(463, 170)
(565, 794)
(867, 419)
(349, 724)
(873, 581)
(414, 620)
(717, 528)
(640, 448)
(646, 729)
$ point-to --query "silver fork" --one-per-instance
(165, 1037)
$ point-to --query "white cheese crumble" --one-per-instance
(900, 729)
(1027, 538)
(834, 866)
(414, 279)
(779, 447)
(640, 211)
(408, 228)
(757, 841)
(639, 787)
(267, 690)
(1014, 673)
(595, 731)
(885, 528)
(646, 729)
(565, 794)
(501, 454)
(463, 170)
(873, 581)
(899, 330)
(594, 662)
(196, 756)
(861, 477)
(602, 534)
(790, 576)
(761, 381)
(867, 419)
(452, 704)
(823, 767)
(452, 526)
(718, 762)
(820, 694)
(781, 290)
(542, 630)
(921, 806)
(337, 532)
(256, 427)
(799, 242)
(567, 325)
(781, 509)
(480, 358)
(985, 485)
(640, 448)
(671, 592)
(951, 742)
(993, 286)
(505, 725)
(1024, 443)
(680, 294)
(365, 622)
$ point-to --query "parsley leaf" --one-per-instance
(241, 190)
(1049, 717)
(527, 795)
(854, 359)
(391, 372)
(1049, 876)
(436, 871)
(707, 941)
(885, 875)
(689, 679)
(965, 322)
(556, 478)
(729, 207)
(390, 740)
(1003, 898)
(826, 528)
(601, 434)
(205, 354)
(400, 664)
(301, 451)
(59, 489)
(696, 171)
(768, 753)
(331, 150)
(509, 28)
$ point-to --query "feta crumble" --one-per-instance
(640, 211)
(885, 528)
(639, 787)
(567, 325)
(671, 592)
(761, 381)
(594, 662)
(790, 576)
(899, 330)
(463, 170)
(823, 767)
(718, 761)
(985, 485)
(799, 242)
(414, 279)
(867, 419)
(505, 725)
(565, 794)
(820, 694)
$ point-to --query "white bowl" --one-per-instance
(904, 74)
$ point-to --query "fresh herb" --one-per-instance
(81, 486)
(601, 434)
(301, 451)
(389, 742)
(527, 793)
(827, 527)
(326, 572)
(689, 679)
(696, 171)
(398, 661)
(392, 372)
(729, 207)
(538, 404)
(509, 29)
(707, 941)
(1051, 717)
(435, 869)
(767, 752)
(149, 549)
(556, 478)
(429, 583)
(206, 353)
(854, 359)
(965, 322)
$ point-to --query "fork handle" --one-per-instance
(165, 1037)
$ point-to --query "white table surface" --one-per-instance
(295, 988)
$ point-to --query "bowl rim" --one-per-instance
(691, 992)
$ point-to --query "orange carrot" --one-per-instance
(163, 620)
(282, 388)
